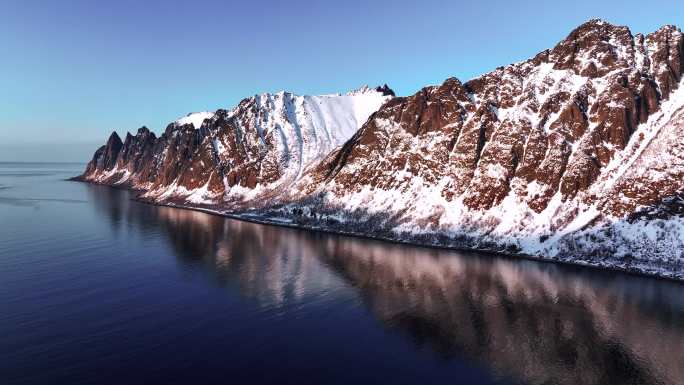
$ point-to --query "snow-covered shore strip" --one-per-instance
(639, 269)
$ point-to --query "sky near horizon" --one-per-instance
(73, 71)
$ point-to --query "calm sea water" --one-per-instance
(96, 288)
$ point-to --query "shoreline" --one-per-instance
(497, 253)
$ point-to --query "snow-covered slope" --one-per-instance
(195, 119)
(297, 130)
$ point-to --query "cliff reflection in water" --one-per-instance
(539, 323)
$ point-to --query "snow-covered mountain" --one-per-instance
(574, 155)
(257, 149)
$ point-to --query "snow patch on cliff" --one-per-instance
(195, 118)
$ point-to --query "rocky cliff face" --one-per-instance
(552, 157)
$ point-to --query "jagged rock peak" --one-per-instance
(143, 130)
(385, 90)
(114, 139)
(365, 89)
(596, 26)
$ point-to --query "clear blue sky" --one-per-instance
(72, 71)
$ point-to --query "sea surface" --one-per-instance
(96, 288)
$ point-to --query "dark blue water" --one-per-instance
(96, 288)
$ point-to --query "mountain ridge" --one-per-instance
(536, 158)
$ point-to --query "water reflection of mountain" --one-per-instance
(265, 265)
(541, 323)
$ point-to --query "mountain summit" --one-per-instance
(574, 155)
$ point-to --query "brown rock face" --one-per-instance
(657, 174)
(542, 127)
(137, 151)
